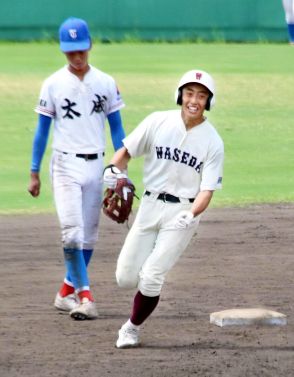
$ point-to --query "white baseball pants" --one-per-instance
(77, 187)
(153, 246)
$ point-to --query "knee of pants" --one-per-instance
(126, 278)
(72, 237)
(150, 285)
(90, 236)
(88, 245)
(90, 242)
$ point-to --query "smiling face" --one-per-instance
(78, 62)
(194, 99)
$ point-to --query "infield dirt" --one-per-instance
(240, 258)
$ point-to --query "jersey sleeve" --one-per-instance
(40, 142)
(115, 99)
(138, 142)
(45, 105)
(212, 173)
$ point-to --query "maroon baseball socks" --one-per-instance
(143, 306)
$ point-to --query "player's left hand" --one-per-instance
(117, 202)
(111, 175)
(185, 220)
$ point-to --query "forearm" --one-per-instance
(201, 202)
(121, 158)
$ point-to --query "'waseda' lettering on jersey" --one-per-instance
(177, 155)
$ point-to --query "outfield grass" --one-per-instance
(254, 111)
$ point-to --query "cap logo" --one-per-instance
(73, 33)
(198, 75)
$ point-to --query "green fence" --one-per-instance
(170, 20)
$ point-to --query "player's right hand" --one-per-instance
(35, 185)
(110, 176)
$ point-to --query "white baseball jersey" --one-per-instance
(79, 109)
(177, 161)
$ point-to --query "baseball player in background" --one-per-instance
(289, 15)
(182, 168)
(79, 98)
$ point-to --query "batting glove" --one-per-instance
(185, 220)
(111, 175)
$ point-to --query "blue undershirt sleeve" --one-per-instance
(40, 141)
(116, 129)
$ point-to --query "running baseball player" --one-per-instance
(183, 167)
(79, 98)
(289, 15)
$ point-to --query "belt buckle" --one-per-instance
(164, 197)
(86, 157)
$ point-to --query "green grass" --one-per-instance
(254, 111)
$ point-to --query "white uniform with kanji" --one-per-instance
(177, 162)
(79, 109)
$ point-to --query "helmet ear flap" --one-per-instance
(179, 99)
(208, 103)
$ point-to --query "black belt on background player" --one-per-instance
(167, 197)
(92, 156)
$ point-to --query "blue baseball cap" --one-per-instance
(74, 35)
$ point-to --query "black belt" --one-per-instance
(168, 197)
(93, 156)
